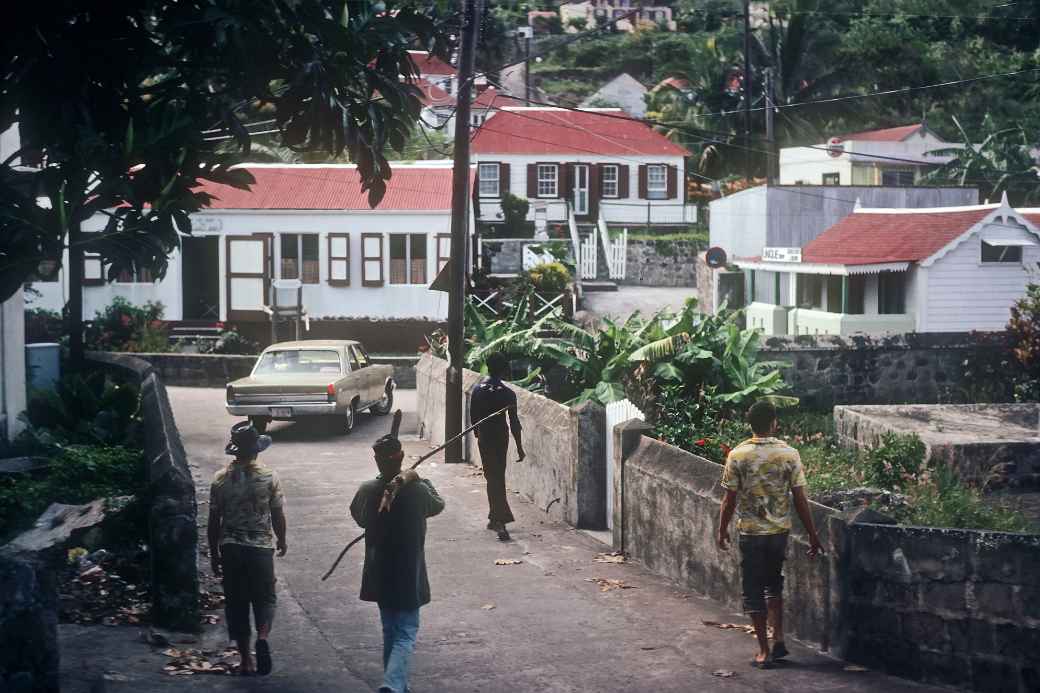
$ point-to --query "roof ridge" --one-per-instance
(927, 210)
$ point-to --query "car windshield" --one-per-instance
(297, 361)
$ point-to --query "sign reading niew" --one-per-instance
(782, 254)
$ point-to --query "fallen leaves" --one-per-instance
(488, 607)
(93, 591)
(747, 628)
(190, 662)
(508, 561)
(607, 584)
(613, 557)
(723, 673)
(856, 668)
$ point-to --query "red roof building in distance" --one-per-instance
(896, 134)
(412, 187)
(493, 98)
(433, 96)
(429, 64)
(677, 83)
(868, 237)
(605, 132)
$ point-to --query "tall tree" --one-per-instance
(115, 101)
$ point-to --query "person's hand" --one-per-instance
(407, 476)
(214, 563)
(723, 541)
(282, 547)
(520, 454)
(815, 548)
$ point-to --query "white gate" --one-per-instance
(618, 257)
(588, 257)
(617, 412)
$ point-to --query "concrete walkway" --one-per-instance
(620, 304)
(542, 623)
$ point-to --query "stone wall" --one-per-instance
(565, 446)
(955, 607)
(217, 370)
(661, 263)
(924, 368)
(29, 655)
(666, 510)
(172, 527)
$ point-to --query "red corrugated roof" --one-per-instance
(410, 188)
(866, 238)
(493, 98)
(432, 95)
(680, 83)
(545, 131)
(428, 64)
(1033, 217)
(886, 135)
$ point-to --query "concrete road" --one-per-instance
(647, 300)
(539, 625)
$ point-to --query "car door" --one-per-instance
(371, 390)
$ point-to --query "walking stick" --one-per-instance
(431, 453)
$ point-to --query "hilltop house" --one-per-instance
(595, 12)
(886, 271)
(893, 156)
(305, 223)
(624, 92)
(435, 71)
(596, 166)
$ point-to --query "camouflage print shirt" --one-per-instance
(763, 471)
(243, 496)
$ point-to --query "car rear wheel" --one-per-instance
(349, 419)
(259, 423)
(386, 402)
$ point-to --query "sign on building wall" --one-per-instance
(782, 254)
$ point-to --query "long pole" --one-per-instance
(770, 132)
(460, 202)
(747, 89)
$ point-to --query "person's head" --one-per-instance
(389, 455)
(498, 365)
(762, 417)
(246, 442)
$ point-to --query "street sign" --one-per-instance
(835, 147)
(782, 254)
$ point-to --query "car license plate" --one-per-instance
(281, 411)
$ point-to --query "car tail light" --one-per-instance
(331, 391)
(230, 394)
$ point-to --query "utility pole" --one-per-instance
(770, 133)
(747, 90)
(460, 204)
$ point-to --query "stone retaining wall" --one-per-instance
(661, 263)
(172, 519)
(915, 368)
(29, 654)
(217, 370)
(955, 607)
(565, 446)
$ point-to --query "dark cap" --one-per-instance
(387, 446)
(246, 441)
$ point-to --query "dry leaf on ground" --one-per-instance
(856, 667)
(723, 673)
(189, 662)
(507, 561)
(613, 557)
(606, 584)
(488, 607)
(747, 628)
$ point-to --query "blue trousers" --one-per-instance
(400, 628)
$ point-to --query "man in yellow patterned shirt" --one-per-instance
(762, 476)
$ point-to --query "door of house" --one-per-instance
(200, 278)
(581, 189)
(248, 277)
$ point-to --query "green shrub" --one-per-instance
(943, 500)
(78, 474)
(86, 409)
(122, 326)
(514, 213)
(896, 463)
(550, 277)
(230, 342)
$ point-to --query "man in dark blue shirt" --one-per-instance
(487, 397)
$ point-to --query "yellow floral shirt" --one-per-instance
(763, 471)
(244, 497)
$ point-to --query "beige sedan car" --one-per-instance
(335, 379)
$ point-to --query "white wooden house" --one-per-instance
(892, 156)
(12, 336)
(887, 271)
(595, 166)
(310, 223)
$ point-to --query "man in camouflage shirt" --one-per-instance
(246, 504)
(762, 475)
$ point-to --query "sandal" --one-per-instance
(765, 664)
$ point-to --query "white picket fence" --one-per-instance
(588, 260)
(617, 258)
(617, 412)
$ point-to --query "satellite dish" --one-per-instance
(835, 147)
(715, 257)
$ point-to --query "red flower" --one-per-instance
(125, 319)
(220, 325)
(701, 443)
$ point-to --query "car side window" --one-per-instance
(354, 365)
(360, 355)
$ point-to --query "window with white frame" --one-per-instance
(609, 180)
(1002, 251)
(300, 258)
(408, 258)
(477, 119)
(657, 182)
(548, 180)
(143, 275)
(489, 183)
